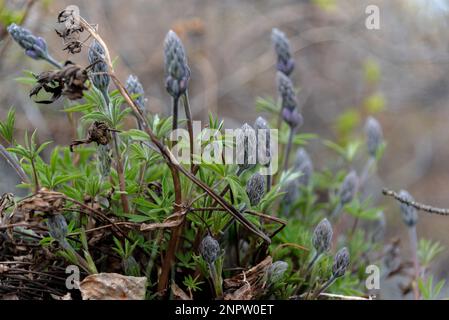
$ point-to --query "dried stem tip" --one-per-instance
(255, 188)
(409, 213)
(209, 249)
(322, 236)
(285, 63)
(176, 68)
(341, 263)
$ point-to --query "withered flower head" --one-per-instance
(69, 82)
(341, 263)
(286, 92)
(99, 68)
(71, 31)
(134, 87)
(98, 132)
(246, 143)
(35, 47)
(322, 236)
(285, 63)
(255, 188)
(176, 68)
(409, 213)
(209, 249)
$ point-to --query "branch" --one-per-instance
(416, 205)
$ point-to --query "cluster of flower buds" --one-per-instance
(285, 63)
(134, 87)
(322, 237)
(409, 213)
(374, 136)
(176, 68)
(209, 249)
(100, 77)
(35, 47)
(289, 102)
(246, 143)
(255, 188)
(348, 188)
(276, 271)
(341, 263)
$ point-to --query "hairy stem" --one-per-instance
(185, 98)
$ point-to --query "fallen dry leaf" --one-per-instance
(178, 293)
(113, 286)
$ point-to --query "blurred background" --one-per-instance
(399, 73)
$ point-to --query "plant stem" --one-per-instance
(326, 285)
(289, 147)
(312, 262)
(185, 99)
(36, 180)
(414, 249)
(175, 113)
(14, 164)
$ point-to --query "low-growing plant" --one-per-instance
(117, 200)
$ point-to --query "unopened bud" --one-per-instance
(286, 91)
(374, 136)
(246, 143)
(255, 188)
(341, 263)
(263, 141)
(348, 188)
(276, 271)
(35, 47)
(409, 213)
(209, 249)
(285, 63)
(100, 77)
(304, 164)
(322, 236)
(176, 68)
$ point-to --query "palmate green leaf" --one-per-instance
(85, 108)
(7, 127)
(267, 105)
(428, 250)
(237, 189)
(136, 134)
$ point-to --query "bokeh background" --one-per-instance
(344, 72)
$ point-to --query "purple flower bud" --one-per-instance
(246, 145)
(35, 47)
(96, 56)
(286, 92)
(209, 249)
(255, 188)
(176, 68)
(409, 213)
(263, 141)
(374, 136)
(133, 86)
(292, 117)
(322, 236)
(348, 188)
(303, 163)
(341, 263)
(57, 227)
(285, 63)
(276, 271)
